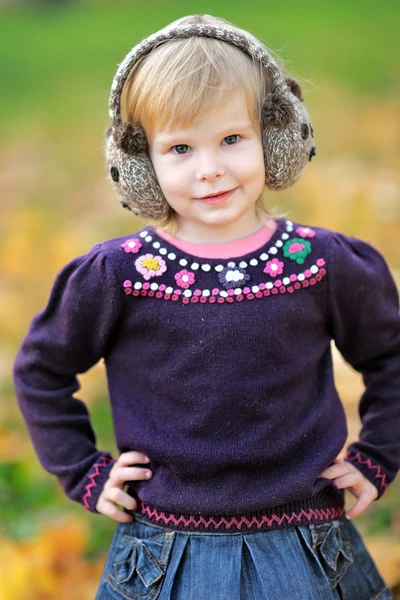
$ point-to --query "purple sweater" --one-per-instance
(220, 370)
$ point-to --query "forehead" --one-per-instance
(233, 112)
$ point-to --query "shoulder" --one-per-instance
(334, 243)
(97, 267)
(115, 249)
(350, 262)
(354, 266)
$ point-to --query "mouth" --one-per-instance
(217, 197)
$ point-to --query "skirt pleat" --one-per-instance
(316, 562)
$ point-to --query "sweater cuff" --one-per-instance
(96, 479)
(370, 469)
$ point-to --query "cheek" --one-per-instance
(167, 176)
(253, 171)
(251, 161)
(173, 181)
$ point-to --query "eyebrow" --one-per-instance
(169, 138)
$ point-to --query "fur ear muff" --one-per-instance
(130, 138)
(277, 110)
(295, 88)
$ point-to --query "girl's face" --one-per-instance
(221, 153)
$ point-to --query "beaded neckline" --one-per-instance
(238, 247)
(166, 248)
(236, 277)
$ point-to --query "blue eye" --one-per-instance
(230, 140)
(180, 146)
(230, 137)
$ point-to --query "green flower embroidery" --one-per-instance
(297, 249)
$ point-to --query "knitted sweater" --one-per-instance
(220, 370)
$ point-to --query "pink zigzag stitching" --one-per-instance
(92, 478)
(369, 464)
(318, 513)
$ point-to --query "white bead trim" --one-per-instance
(269, 285)
(206, 267)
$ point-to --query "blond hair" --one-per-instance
(183, 79)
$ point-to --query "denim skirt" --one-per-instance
(324, 561)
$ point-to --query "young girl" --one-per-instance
(215, 323)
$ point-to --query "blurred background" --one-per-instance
(57, 61)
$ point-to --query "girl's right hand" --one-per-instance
(113, 493)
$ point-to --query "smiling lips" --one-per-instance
(212, 195)
(218, 197)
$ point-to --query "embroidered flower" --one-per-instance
(297, 249)
(150, 266)
(305, 232)
(185, 278)
(274, 267)
(132, 245)
(233, 277)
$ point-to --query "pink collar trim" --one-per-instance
(239, 247)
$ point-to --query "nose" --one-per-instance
(209, 166)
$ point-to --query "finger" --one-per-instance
(362, 503)
(123, 474)
(132, 457)
(118, 496)
(347, 481)
(113, 512)
(336, 470)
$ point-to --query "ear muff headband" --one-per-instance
(287, 132)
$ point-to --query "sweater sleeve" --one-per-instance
(68, 337)
(365, 325)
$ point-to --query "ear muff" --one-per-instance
(287, 134)
(132, 173)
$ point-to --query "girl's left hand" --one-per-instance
(345, 475)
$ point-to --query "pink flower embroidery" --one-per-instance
(296, 247)
(132, 245)
(305, 232)
(185, 278)
(274, 267)
(150, 266)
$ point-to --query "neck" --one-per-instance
(209, 234)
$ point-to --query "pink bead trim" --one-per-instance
(247, 294)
